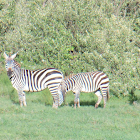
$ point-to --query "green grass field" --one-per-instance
(118, 121)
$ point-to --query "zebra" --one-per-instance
(33, 80)
(97, 82)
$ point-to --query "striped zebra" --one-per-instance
(33, 80)
(97, 82)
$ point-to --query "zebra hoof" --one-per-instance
(96, 106)
(78, 106)
(74, 106)
(55, 107)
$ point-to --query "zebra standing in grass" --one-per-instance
(33, 80)
(97, 82)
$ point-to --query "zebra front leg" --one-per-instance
(22, 99)
(99, 95)
(77, 100)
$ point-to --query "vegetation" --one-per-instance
(75, 36)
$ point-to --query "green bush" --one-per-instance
(75, 36)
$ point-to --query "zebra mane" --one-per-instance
(69, 76)
(17, 64)
(72, 75)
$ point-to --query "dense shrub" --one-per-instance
(75, 36)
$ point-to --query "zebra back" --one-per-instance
(86, 82)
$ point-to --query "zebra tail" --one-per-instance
(63, 89)
(62, 93)
(108, 93)
(61, 99)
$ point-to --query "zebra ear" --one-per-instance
(6, 56)
(13, 56)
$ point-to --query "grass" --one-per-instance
(119, 120)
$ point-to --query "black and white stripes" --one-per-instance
(34, 81)
(37, 80)
(87, 82)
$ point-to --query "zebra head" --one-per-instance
(9, 63)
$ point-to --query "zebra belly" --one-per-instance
(87, 89)
(32, 88)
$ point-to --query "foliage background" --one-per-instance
(75, 36)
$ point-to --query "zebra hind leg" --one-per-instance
(99, 95)
(54, 105)
(104, 93)
(105, 100)
(55, 102)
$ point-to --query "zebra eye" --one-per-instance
(9, 63)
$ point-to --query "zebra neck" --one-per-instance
(16, 73)
(69, 85)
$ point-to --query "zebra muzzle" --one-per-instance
(9, 72)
